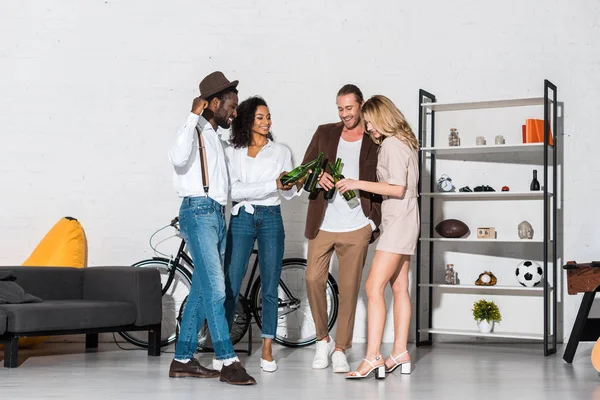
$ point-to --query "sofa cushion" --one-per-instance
(49, 283)
(141, 286)
(12, 293)
(2, 322)
(56, 315)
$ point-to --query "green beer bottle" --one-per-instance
(297, 173)
(329, 194)
(349, 195)
(313, 178)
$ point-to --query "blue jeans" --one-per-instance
(266, 227)
(202, 223)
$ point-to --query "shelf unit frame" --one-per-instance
(428, 107)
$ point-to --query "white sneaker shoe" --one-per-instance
(324, 350)
(217, 364)
(268, 366)
(340, 362)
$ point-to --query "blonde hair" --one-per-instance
(388, 120)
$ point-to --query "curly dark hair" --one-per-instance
(241, 126)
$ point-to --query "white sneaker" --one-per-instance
(217, 364)
(268, 366)
(340, 362)
(324, 350)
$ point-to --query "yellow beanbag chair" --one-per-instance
(65, 245)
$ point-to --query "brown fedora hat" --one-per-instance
(214, 83)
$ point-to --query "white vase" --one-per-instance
(485, 326)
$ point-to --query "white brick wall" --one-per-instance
(92, 92)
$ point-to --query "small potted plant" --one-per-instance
(486, 313)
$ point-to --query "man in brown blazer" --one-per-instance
(333, 225)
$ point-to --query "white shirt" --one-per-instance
(185, 157)
(253, 180)
(339, 217)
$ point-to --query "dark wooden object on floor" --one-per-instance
(582, 278)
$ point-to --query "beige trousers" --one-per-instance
(351, 249)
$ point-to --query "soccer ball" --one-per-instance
(529, 273)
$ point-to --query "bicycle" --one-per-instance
(295, 324)
(292, 312)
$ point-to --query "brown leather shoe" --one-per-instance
(235, 374)
(191, 369)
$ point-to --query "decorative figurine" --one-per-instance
(453, 139)
(450, 275)
(525, 230)
(486, 278)
(505, 188)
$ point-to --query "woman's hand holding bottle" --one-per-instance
(280, 186)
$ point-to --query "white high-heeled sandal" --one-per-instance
(268, 366)
(405, 366)
(379, 370)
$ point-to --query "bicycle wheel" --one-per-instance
(295, 325)
(171, 301)
(241, 322)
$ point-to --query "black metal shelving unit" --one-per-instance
(427, 178)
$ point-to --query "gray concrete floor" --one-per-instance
(445, 371)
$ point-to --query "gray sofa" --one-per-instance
(82, 301)
(2, 322)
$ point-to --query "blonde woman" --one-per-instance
(397, 174)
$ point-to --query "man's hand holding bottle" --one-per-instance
(326, 180)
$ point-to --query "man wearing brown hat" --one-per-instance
(201, 181)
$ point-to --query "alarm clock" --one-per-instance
(445, 184)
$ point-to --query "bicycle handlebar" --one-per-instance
(175, 223)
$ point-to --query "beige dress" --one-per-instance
(398, 164)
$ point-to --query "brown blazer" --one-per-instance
(326, 139)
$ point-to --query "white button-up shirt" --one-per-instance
(253, 180)
(185, 157)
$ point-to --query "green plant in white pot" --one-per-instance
(486, 313)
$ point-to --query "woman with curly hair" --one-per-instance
(397, 174)
(255, 164)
